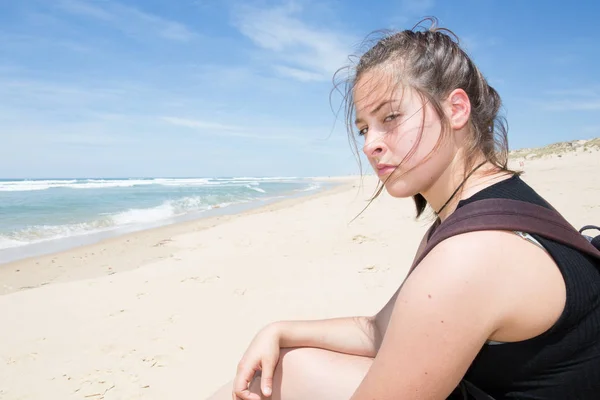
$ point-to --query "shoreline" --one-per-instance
(46, 266)
(57, 245)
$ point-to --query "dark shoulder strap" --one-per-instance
(510, 215)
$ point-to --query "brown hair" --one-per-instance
(432, 62)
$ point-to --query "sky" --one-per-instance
(181, 88)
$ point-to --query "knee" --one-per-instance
(298, 363)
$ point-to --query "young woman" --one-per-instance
(517, 315)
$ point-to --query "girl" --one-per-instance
(516, 314)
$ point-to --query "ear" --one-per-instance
(459, 108)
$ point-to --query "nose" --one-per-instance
(374, 146)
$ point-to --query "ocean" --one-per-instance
(41, 215)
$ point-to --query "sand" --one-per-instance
(166, 313)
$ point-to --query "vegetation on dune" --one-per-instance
(557, 149)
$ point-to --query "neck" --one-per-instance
(446, 192)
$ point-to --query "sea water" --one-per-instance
(69, 211)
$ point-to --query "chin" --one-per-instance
(399, 189)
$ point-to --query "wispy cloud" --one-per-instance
(198, 124)
(299, 74)
(20, 42)
(417, 7)
(576, 92)
(567, 105)
(299, 50)
(271, 130)
(410, 11)
(86, 9)
(129, 19)
(572, 99)
(53, 94)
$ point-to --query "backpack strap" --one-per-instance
(510, 215)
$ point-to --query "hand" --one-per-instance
(262, 355)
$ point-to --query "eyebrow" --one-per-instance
(376, 109)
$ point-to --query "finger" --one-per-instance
(241, 382)
(246, 394)
(266, 378)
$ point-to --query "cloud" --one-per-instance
(129, 19)
(219, 130)
(573, 99)
(295, 48)
(270, 130)
(198, 124)
(52, 94)
(299, 74)
(88, 134)
(86, 9)
(575, 92)
(568, 105)
(417, 7)
(410, 11)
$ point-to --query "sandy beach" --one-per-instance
(166, 313)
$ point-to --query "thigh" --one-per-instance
(309, 373)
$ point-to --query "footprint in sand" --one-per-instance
(209, 279)
(361, 239)
(162, 242)
(369, 269)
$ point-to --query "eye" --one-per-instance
(363, 131)
(391, 117)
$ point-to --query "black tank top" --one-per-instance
(564, 362)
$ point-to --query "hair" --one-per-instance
(431, 62)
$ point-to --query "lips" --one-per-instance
(384, 169)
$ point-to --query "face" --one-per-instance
(399, 130)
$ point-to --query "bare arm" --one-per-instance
(361, 336)
(382, 319)
(350, 335)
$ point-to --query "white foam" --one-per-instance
(25, 186)
(31, 185)
(268, 178)
(313, 186)
(17, 186)
(183, 181)
(136, 216)
(6, 242)
(42, 233)
(256, 189)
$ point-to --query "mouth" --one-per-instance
(384, 169)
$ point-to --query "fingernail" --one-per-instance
(267, 391)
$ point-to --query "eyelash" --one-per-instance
(389, 118)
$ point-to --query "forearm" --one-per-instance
(350, 335)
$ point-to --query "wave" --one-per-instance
(311, 187)
(107, 222)
(268, 178)
(35, 185)
(256, 189)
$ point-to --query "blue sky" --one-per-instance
(116, 88)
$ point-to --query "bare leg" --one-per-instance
(308, 373)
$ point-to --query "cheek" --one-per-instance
(425, 140)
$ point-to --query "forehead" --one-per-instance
(374, 88)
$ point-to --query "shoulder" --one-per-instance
(490, 275)
(485, 258)
(467, 269)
